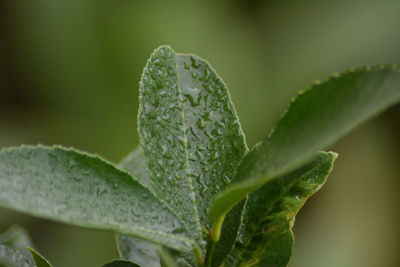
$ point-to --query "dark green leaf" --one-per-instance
(10, 257)
(190, 134)
(121, 263)
(229, 234)
(266, 236)
(76, 188)
(16, 238)
(39, 259)
(314, 120)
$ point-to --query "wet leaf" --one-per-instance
(10, 257)
(138, 251)
(16, 237)
(142, 252)
(266, 235)
(190, 134)
(315, 119)
(39, 259)
(84, 190)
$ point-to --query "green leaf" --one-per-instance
(130, 248)
(39, 259)
(190, 134)
(84, 190)
(314, 120)
(134, 164)
(121, 263)
(16, 237)
(10, 257)
(229, 234)
(138, 251)
(266, 237)
(166, 259)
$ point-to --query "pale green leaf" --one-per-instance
(16, 237)
(84, 190)
(315, 119)
(142, 252)
(190, 134)
(10, 257)
(138, 251)
(266, 236)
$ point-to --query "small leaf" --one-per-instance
(121, 263)
(76, 188)
(13, 244)
(39, 259)
(266, 238)
(138, 251)
(10, 257)
(314, 120)
(190, 134)
(16, 237)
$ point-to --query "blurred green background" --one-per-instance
(69, 73)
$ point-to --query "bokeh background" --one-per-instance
(69, 73)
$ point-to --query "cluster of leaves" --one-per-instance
(193, 194)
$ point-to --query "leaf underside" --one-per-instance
(190, 134)
(315, 119)
(76, 188)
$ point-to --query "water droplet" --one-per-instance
(168, 155)
(195, 64)
(226, 180)
(201, 124)
(151, 114)
(206, 76)
(186, 65)
(216, 132)
(77, 178)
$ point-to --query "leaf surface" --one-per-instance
(229, 234)
(266, 236)
(139, 251)
(190, 134)
(16, 237)
(10, 257)
(79, 189)
(315, 119)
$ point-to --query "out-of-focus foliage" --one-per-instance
(69, 73)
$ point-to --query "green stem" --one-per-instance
(210, 250)
(213, 238)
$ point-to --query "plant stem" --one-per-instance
(210, 250)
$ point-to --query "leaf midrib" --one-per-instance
(188, 167)
(258, 224)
